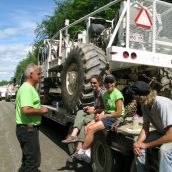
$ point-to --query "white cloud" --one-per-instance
(18, 23)
(10, 56)
(13, 52)
(7, 33)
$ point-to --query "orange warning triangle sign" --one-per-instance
(143, 19)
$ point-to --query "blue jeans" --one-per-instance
(165, 156)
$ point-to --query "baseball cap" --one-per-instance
(140, 88)
(109, 79)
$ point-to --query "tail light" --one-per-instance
(125, 54)
(133, 55)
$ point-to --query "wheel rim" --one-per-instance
(71, 79)
(100, 155)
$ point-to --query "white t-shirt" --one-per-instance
(160, 115)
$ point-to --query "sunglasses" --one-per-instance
(93, 82)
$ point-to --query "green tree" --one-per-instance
(31, 58)
(72, 10)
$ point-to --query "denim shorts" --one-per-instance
(107, 122)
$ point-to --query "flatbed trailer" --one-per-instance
(135, 45)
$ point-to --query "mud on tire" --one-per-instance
(82, 63)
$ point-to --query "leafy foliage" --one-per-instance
(4, 83)
(72, 10)
(31, 58)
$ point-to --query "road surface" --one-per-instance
(53, 153)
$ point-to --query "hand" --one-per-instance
(137, 146)
(99, 117)
(43, 109)
(137, 151)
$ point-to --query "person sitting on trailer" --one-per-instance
(157, 111)
(114, 110)
(86, 115)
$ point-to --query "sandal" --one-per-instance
(70, 139)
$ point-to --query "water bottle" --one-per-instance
(57, 106)
(135, 121)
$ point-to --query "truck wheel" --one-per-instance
(82, 63)
(103, 158)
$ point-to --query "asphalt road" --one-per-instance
(54, 154)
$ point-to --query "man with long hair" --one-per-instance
(156, 110)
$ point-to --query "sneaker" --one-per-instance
(70, 139)
(86, 158)
(82, 156)
(79, 154)
(74, 154)
(88, 152)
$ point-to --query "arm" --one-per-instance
(32, 111)
(117, 113)
(92, 109)
(166, 138)
(99, 106)
(144, 132)
(142, 136)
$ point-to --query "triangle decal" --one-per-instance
(143, 19)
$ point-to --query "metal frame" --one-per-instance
(111, 56)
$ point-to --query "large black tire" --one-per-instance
(103, 157)
(82, 63)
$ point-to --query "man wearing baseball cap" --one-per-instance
(158, 111)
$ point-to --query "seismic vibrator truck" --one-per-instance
(134, 45)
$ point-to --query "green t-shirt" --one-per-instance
(27, 96)
(109, 100)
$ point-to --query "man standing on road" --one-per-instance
(158, 111)
(28, 119)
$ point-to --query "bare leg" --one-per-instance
(72, 137)
(79, 145)
(88, 125)
(90, 133)
(74, 132)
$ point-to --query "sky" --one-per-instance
(18, 20)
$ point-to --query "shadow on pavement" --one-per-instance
(56, 132)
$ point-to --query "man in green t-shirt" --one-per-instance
(28, 119)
